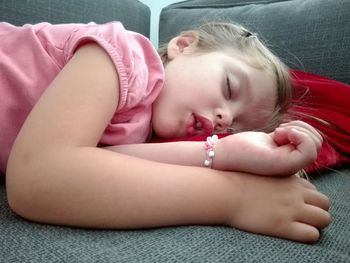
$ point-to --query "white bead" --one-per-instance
(206, 163)
(211, 154)
(209, 141)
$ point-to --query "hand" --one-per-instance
(285, 151)
(285, 207)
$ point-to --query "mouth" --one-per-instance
(199, 125)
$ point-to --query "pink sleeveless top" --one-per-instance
(32, 55)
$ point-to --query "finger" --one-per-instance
(308, 128)
(316, 139)
(304, 145)
(284, 135)
(305, 126)
(317, 199)
(315, 216)
(302, 232)
(280, 136)
(303, 150)
(301, 124)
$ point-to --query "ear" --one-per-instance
(178, 45)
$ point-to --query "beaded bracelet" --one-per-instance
(209, 148)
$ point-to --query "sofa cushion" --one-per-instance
(310, 35)
(133, 14)
(24, 241)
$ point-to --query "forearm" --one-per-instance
(284, 152)
(95, 188)
(91, 187)
(189, 153)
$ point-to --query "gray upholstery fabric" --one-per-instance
(23, 241)
(133, 14)
(312, 35)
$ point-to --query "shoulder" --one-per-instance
(137, 62)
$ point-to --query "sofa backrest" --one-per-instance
(133, 14)
(311, 35)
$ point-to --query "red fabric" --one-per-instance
(325, 99)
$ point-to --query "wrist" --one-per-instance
(230, 196)
(209, 147)
(220, 160)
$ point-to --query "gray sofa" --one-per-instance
(313, 35)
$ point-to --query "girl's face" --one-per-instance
(208, 93)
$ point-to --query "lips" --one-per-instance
(199, 125)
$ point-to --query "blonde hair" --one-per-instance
(216, 36)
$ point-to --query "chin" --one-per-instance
(161, 133)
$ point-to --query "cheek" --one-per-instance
(264, 120)
(163, 121)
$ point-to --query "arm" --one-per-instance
(189, 153)
(285, 151)
(56, 174)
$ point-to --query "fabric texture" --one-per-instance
(324, 103)
(134, 15)
(26, 242)
(309, 35)
(34, 55)
(23, 241)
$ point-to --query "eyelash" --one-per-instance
(229, 91)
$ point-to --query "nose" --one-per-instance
(223, 119)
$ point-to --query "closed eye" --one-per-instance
(229, 90)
